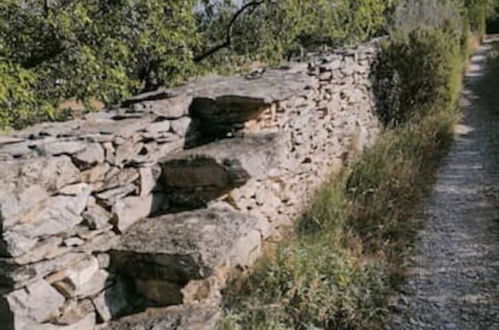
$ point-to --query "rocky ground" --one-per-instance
(453, 278)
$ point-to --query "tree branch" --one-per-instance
(230, 26)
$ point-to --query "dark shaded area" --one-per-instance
(493, 26)
(386, 89)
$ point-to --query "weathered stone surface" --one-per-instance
(114, 301)
(212, 170)
(17, 276)
(96, 173)
(125, 128)
(25, 183)
(181, 126)
(87, 323)
(126, 152)
(119, 178)
(96, 217)
(46, 249)
(61, 213)
(74, 311)
(194, 317)
(291, 126)
(131, 209)
(165, 104)
(92, 155)
(35, 303)
(56, 148)
(148, 179)
(112, 196)
(184, 246)
(79, 279)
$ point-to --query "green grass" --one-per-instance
(346, 254)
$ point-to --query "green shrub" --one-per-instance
(95, 48)
(348, 249)
(437, 55)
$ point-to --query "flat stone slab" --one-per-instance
(189, 245)
(195, 317)
(199, 175)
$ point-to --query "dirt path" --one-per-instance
(453, 280)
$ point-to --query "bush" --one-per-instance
(96, 49)
(106, 50)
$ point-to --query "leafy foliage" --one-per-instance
(95, 48)
(109, 49)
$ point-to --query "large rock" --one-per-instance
(60, 214)
(196, 176)
(35, 303)
(25, 183)
(186, 246)
(195, 317)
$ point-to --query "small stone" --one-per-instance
(113, 301)
(131, 209)
(87, 323)
(181, 126)
(72, 281)
(126, 152)
(113, 196)
(148, 180)
(96, 173)
(75, 311)
(57, 148)
(96, 217)
(37, 302)
(92, 155)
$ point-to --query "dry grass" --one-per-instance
(348, 249)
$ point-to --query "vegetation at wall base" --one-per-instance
(346, 254)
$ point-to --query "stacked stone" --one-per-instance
(155, 204)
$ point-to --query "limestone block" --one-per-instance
(87, 323)
(181, 126)
(148, 179)
(15, 275)
(202, 316)
(185, 246)
(166, 105)
(131, 209)
(118, 178)
(61, 213)
(56, 148)
(72, 281)
(25, 183)
(92, 155)
(114, 301)
(96, 217)
(112, 196)
(205, 173)
(35, 303)
(75, 311)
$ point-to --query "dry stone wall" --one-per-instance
(136, 217)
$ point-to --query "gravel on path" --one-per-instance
(453, 278)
